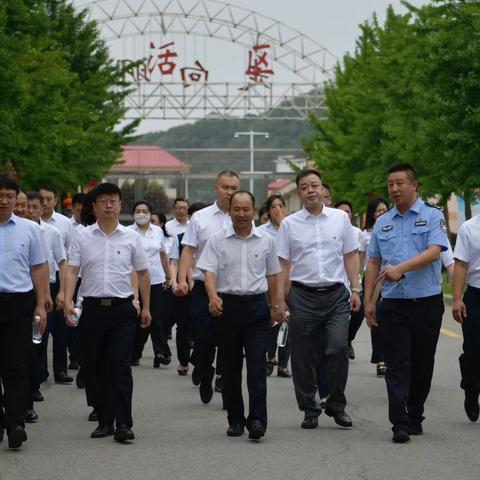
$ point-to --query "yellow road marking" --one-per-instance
(449, 333)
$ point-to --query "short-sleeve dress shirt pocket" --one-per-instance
(420, 237)
(259, 261)
(387, 242)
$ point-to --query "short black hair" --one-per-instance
(34, 196)
(106, 189)
(79, 199)
(228, 173)
(48, 188)
(305, 173)
(7, 182)
(195, 207)
(180, 199)
(403, 167)
(245, 192)
(272, 198)
(87, 216)
(344, 202)
(142, 202)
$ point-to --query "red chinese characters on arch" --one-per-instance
(258, 64)
(162, 62)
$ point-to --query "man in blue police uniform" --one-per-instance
(22, 270)
(404, 254)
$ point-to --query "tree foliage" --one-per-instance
(410, 92)
(62, 95)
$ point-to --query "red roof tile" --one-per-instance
(148, 157)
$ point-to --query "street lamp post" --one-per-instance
(252, 135)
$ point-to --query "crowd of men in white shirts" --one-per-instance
(101, 288)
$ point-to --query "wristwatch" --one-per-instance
(274, 307)
(357, 290)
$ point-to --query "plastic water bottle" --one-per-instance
(282, 335)
(75, 318)
(36, 335)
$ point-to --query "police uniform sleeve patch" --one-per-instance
(387, 228)
(443, 225)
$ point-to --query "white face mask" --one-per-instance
(142, 218)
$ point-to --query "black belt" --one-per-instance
(243, 298)
(413, 300)
(317, 290)
(5, 297)
(107, 301)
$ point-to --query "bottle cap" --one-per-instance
(37, 318)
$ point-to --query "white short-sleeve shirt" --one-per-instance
(241, 265)
(56, 250)
(204, 224)
(107, 261)
(64, 226)
(316, 245)
(467, 249)
(153, 242)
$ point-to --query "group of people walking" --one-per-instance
(101, 288)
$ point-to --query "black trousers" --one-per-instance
(57, 327)
(470, 358)
(106, 336)
(319, 323)
(283, 352)
(16, 317)
(181, 316)
(377, 341)
(410, 330)
(206, 333)
(157, 329)
(243, 326)
(356, 320)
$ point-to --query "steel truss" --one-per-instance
(310, 62)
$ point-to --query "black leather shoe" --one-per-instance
(161, 359)
(37, 396)
(206, 391)
(16, 436)
(341, 418)
(415, 429)
(256, 430)
(400, 436)
(196, 376)
(31, 416)
(63, 378)
(236, 430)
(309, 422)
(93, 417)
(123, 434)
(270, 366)
(79, 380)
(471, 405)
(102, 431)
(74, 365)
(218, 384)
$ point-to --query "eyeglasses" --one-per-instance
(104, 203)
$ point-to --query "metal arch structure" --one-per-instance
(309, 62)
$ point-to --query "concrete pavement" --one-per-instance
(179, 438)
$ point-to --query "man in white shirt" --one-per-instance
(178, 224)
(241, 265)
(319, 246)
(202, 226)
(78, 200)
(107, 253)
(466, 311)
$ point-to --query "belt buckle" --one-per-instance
(106, 302)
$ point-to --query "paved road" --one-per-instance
(179, 438)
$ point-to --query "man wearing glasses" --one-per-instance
(107, 253)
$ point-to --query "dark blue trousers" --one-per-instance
(244, 326)
(470, 358)
(410, 330)
(106, 336)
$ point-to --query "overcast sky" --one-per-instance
(332, 23)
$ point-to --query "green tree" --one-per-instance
(65, 129)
